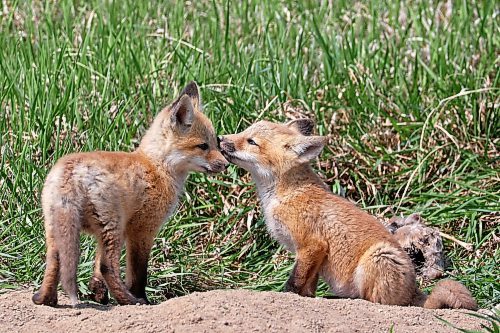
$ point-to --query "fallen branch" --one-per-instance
(465, 245)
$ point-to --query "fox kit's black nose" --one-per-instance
(227, 147)
(221, 140)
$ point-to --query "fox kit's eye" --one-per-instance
(251, 142)
(203, 146)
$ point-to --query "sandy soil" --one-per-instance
(227, 311)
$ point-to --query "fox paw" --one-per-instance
(291, 288)
(132, 301)
(40, 299)
(145, 300)
(99, 291)
(142, 301)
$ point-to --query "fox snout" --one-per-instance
(216, 162)
(218, 165)
(226, 145)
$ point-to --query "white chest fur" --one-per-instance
(276, 228)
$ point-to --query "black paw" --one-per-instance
(140, 295)
(291, 288)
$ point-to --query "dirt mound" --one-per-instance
(227, 311)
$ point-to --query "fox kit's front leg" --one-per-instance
(136, 276)
(110, 269)
(138, 249)
(304, 277)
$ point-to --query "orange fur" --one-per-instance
(122, 198)
(331, 237)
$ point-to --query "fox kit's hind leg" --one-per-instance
(97, 285)
(385, 275)
(47, 294)
(138, 249)
(62, 228)
(304, 277)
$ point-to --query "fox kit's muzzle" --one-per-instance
(218, 165)
(225, 145)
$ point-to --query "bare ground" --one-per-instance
(227, 311)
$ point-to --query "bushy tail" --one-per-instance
(446, 294)
(68, 244)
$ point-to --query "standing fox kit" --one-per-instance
(123, 198)
(330, 236)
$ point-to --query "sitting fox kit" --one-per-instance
(122, 198)
(330, 236)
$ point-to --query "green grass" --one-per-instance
(409, 94)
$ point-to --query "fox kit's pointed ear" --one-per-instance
(303, 126)
(309, 147)
(194, 93)
(182, 113)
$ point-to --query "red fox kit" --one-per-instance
(330, 236)
(123, 198)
